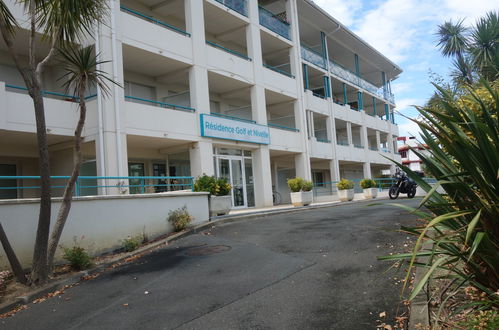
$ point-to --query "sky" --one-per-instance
(404, 31)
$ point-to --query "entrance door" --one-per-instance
(231, 168)
(8, 188)
(136, 185)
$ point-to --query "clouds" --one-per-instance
(344, 11)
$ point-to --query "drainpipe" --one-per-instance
(100, 115)
(117, 117)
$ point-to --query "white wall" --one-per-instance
(100, 223)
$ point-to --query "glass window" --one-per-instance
(7, 186)
(318, 177)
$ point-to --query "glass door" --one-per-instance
(136, 185)
(231, 169)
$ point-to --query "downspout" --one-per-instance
(100, 116)
(117, 117)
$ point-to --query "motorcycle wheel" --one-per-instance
(393, 193)
(412, 192)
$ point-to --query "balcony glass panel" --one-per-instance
(313, 57)
(153, 20)
(237, 5)
(274, 23)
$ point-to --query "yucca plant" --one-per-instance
(462, 134)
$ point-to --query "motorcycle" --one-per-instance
(403, 184)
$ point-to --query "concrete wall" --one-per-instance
(99, 224)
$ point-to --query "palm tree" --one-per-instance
(484, 45)
(80, 75)
(60, 22)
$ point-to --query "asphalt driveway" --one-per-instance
(313, 269)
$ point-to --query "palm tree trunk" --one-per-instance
(12, 257)
(68, 192)
(39, 272)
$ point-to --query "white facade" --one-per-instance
(304, 98)
(407, 154)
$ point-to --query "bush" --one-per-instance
(77, 257)
(345, 184)
(295, 184)
(367, 183)
(213, 185)
(179, 218)
(307, 186)
(132, 243)
(462, 134)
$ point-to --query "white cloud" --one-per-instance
(344, 11)
(400, 87)
(470, 10)
(409, 128)
(407, 104)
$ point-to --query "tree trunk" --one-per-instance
(68, 192)
(11, 255)
(39, 272)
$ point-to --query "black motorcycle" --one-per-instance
(403, 184)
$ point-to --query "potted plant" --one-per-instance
(345, 190)
(301, 191)
(219, 189)
(369, 188)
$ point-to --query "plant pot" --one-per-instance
(301, 198)
(346, 195)
(370, 193)
(220, 205)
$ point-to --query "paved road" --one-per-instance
(313, 269)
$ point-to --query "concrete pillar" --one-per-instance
(302, 166)
(349, 133)
(364, 137)
(367, 170)
(201, 158)
(258, 104)
(262, 177)
(378, 139)
(334, 168)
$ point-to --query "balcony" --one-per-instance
(349, 76)
(230, 51)
(153, 20)
(313, 57)
(274, 23)
(239, 6)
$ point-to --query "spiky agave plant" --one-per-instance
(462, 134)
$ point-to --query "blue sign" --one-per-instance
(229, 129)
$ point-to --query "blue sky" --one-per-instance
(404, 31)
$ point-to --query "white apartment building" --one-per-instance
(407, 154)
(255, 91)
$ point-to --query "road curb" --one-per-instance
(78, 277)
(419, 317)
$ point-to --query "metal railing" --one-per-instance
(342, 143)
(323, 140)
(273, 68)
(60, 96)
(221, 115)
(239, 6)
(90, 185)
(274, 23)
(358, 146)
(313, 57)
(233, 52)
(159, 104)
(153, 20)
(351, 77)
(286, 128)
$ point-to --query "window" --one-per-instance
(318, 178)
(7, 186)
(403, 154)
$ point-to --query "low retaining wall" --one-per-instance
(98, 223)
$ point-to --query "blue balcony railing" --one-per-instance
(159, 104)
(313, 57)
(233, 52)
(89, 185)
(324, 140)
(286, 128)
(221, 115)
(60, 96)
(239, 6)
(274, 23)
(342, 143)
(358, 146)
(153, 20)
(273, 68)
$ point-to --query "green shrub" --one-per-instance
(307, 186)
(132, 243)
(345, 184)
(367, 183)
(213, 185)
(295, 184)
(77, 257)
(179, 218)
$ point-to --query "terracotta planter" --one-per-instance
(346, 195)
(370, 193)
(220, 205)
(301, 198)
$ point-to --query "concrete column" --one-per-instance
(334, 168)
(364, 137)
(367, 170)
(111, 148)
(201, 158)
(258, 104)
(262, 177)
(349, 133)
(302, 166)
(198, 74)
(378, 139)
